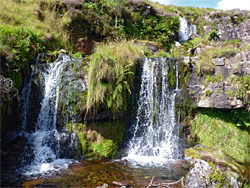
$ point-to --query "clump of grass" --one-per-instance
(162, 54)
(213, 79)
(218, 130)
(241, 88)
(110, 75)
(105, 148)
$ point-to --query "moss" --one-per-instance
(105, 148)
(83, 141)
(99, 139)
(220, 178)
(190, 152)
(171, 77)
(208, 92)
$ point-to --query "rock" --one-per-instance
(211, 168)
(229, 25)
(103, 186)
(219, 61)
(205, 102)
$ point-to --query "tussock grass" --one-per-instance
(217, 130)
(111, 74)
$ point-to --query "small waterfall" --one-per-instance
(186, 29)
(44, 142)
(155, 133)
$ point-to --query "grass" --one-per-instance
(218, 130)
(206, 65)
(110, 75)
(213, 79)
(27, 13)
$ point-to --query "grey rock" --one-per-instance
(205, 102)
(219, 61)
(222, 70)
(221, 102)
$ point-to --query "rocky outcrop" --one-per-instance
(233, 24)
(210, 168)
(219, 89)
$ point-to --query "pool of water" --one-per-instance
(114, 173)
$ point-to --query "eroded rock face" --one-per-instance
(211, 169)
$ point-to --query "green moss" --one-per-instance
(105, 148)
(220, 177)
(190, 152)
(83, 141)
(171, 77)
(162, 54)
(99, 139)
(218, 130)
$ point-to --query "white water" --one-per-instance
(186, 30)
(155, 133)
(44, 140)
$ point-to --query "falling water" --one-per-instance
(44, 141)
(186, 29)
(25, 98)
(155, 133)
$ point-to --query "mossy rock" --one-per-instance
(99, 139)
(216, 158)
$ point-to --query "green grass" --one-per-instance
(27, 13)
(213, 79)
(110, 75)
(218, 130)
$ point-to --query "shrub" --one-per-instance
(213, 35)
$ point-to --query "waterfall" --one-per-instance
(186, 29)
(25, 98)
(45, 140)
(155, 132)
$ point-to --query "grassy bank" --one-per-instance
(224, 131)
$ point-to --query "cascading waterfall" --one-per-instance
(44, 141)
(186, 29)
(155, 133)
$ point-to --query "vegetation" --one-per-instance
(111, 74)
(18, 45)
(242, 87)
(206, 65)
(99, 140)
(218, 129)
